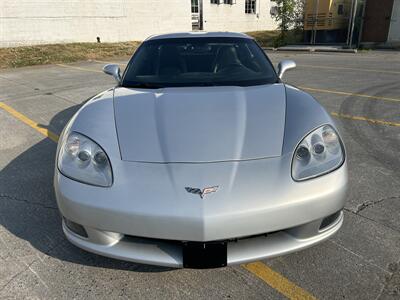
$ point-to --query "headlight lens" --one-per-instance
(318, 153)
(83, 160)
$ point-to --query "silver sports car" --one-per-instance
(200, 157)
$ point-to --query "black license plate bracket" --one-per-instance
(198, 255)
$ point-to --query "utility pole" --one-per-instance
(314, 30)
(351, 24)
(201, 27)
(362, 24)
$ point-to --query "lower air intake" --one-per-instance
(329, 220)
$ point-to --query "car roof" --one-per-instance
(198, 34)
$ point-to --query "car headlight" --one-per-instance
(320, 152)
(81, 159)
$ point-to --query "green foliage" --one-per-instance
(290, 17)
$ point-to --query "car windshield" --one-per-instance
(179, 62)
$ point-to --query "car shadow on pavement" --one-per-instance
(28, 208)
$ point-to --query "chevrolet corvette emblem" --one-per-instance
(203, 192)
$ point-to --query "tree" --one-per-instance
(290, 16)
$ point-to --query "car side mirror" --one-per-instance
(284, 66)
(114, 71)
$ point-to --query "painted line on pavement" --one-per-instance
(360, 118)
(79, 68)
(277, 281)
(46, 132)
(109, 62)
(259, 269)
(350, 69)
(349, 94)
(272, 278)
(301, 87)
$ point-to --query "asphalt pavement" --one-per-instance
(362, 261)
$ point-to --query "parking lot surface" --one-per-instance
(361, 91)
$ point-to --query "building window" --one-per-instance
(228, 2)
(195, 6)
(250, 6)
(214, 1)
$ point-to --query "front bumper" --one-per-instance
(169, 253)
(147, 213)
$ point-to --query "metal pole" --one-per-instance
(314, 32)
(351, 24)
(362, 24)
(201, 27)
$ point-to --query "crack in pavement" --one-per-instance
(367, 204)
(371, 263)
(16, 275)
(28, 266)
(372, 220)
(9, 197)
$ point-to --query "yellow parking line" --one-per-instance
(349, 94)
(272, 278)
(359, 118)
(109, 62)
(79, 68)
(259, 269)
(302, 87)
(277, 281)
(51, 135)
(350, 69)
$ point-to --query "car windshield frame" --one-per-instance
(261, 56)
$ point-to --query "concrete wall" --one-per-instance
(394, 30)
(28, 22)
(225, 17)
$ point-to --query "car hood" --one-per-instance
(200, 124)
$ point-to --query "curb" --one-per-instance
(310, 50)
(337, 50)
